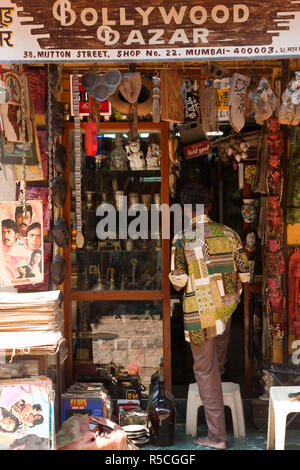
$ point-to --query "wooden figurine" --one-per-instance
(156, 99)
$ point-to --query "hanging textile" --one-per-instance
(274, 259)
(172, 108)
(19, 139)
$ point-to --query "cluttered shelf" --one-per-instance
(119, 274)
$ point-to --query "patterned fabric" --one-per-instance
(210, 262)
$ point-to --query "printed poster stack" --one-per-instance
(31, 322)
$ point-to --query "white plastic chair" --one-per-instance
(279, 407)
(232, 399)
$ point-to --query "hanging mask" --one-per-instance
(53, 75)
(58, 270)
(101, 86)
(61, 233)
(59, 191)
(60, 158)
(58, 116)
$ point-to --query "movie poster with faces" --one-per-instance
(26, 414)
(21, 247)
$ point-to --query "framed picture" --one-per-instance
(104, 107)
(11, 121)
(21, 247)
(12, 153)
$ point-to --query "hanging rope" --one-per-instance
(77, 137)
(50, 143)
(23, 185)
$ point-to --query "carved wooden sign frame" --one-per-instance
(89, 30)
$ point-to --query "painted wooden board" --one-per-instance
(87, 30)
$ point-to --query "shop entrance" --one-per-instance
(228, 194)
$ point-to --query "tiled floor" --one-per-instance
(255, 440)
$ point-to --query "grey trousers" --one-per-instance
(209, 363)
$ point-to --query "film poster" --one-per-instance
(21, 247)
(26, 419)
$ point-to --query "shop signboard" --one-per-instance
(89, 30)
(196, 150)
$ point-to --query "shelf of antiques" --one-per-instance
(119, 271)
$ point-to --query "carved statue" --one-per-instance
(153, 156)
(135, 155)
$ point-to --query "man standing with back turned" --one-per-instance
(209, 262)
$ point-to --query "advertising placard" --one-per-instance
(196, 150)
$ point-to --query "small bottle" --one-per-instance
(161, 417)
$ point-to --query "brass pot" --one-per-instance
(118, 197)
(133, 198)
(146, 200)
(90, 200)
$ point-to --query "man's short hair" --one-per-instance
(19, 210)
(10, 224)
(33, 226)
(194, 194)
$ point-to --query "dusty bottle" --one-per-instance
(161, 417)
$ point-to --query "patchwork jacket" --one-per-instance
(209, 261)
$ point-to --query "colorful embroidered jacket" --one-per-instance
(210, 262)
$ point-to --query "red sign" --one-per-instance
(104, 107)
(198, 149)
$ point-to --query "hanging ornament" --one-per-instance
(294, 291)
(77, 137)
(23, 185)
(50, 141)
(289, 112)
(191, 100)
(156, 99)
(236, 100)
(235, 148)
(209, 110)
(101, 85)
(130, 87)
(90, 141)
(274, 259)
(263, 101)
(275, 304)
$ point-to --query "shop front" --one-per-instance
(107, 112)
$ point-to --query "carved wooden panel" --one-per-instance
(66, 24)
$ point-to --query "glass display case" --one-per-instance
(120, 216)
(120, 274)
(117, 341)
